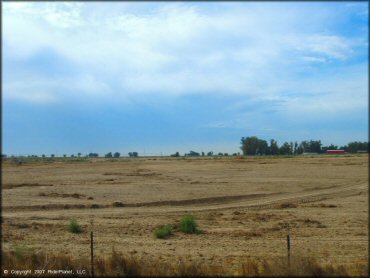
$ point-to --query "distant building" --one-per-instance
(335, 152)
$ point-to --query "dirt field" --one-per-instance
(243, 207)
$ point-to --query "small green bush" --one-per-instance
(74, 227)
(21, 251)
(188, 225)
(163, 232)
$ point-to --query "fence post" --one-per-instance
(92, 249)
(288, 245)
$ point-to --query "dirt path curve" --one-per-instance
(147, 210)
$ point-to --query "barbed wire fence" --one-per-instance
(292, 243)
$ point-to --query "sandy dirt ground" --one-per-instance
(243, 207)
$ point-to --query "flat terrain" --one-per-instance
(243, 207)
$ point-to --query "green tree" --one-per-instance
(274, 148)
(330, 147)
(253, 146)
(285, 149)
(311, 146)
(295, 150)
(355, 146)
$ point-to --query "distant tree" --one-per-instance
(226, 154)
(203, 154)
(72, 155)
(253, 146)
(304, 147)
(295, 150)
(274, 148)
(64, 155)
(53, 155)
(285, 149)
(311, 146)
(249, 145)
(133, 154)
(292, 147)
(109, 155)
(116, 155)
(220, 154)
(193, 153)
(210, 153)
(43, 156)
(177, 154)
(93, 155)
(330, 147)
(354, 147)
(79, 154)
(315, 146)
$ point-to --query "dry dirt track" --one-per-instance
(253, 201)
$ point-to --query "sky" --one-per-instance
(158, 78)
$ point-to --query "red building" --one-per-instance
(335, 152)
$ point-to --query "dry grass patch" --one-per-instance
(118, 265)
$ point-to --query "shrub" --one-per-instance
(188, 225)
(163, 232)
(74, 227)
(21, 251)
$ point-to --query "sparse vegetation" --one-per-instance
(21, 251)
(118, 204)
(189, 225)
(74, 227)
(163, 232)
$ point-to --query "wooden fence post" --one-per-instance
(92, 249)
(288, 245)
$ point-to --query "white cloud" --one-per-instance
(314, 59)
(174, 49)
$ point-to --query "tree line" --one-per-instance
(256, 146)
(250, 146)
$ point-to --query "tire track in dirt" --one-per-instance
(200, 201)
(207, 204)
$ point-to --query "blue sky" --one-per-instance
(159, 77)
